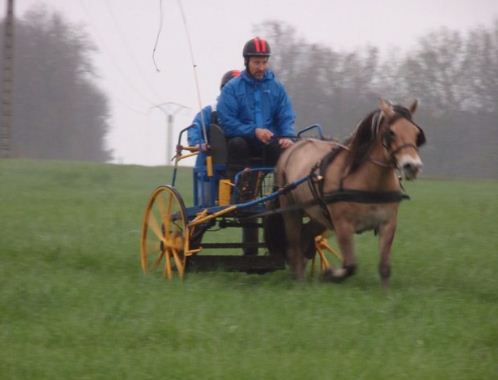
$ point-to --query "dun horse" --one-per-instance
(352, 188)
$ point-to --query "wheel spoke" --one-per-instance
(161, 206)
(164, 213)
(178, 262)
(165, 233)
(158, 260)
(153, 246)
(167, 215)
(154, 226)
(167, 265)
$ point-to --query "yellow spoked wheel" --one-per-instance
(165, 234)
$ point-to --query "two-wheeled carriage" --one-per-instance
(172, 235)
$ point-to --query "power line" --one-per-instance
(126, 105)
(170, 110)
(156, 42)
(128, 50)
(194, 68)
(112, 60)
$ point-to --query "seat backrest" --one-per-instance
(218, 144)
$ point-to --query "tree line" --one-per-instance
(58, 110)
(453, 74)
(60, 113)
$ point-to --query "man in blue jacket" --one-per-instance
(255, 111)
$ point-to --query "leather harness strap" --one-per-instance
(361, 196)
(315, 183)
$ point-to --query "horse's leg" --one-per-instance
(344, 236)
(293, 222)
(386, 238)
(308, 233)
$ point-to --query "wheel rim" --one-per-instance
(165, 233)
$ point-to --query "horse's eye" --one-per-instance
(389, 136)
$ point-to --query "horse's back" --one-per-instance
(297, 161)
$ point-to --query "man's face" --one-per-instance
(257, 66)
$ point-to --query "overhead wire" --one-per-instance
(108, 54)
(129, 52)
(156, 42)
(194, 67)
(112, 60)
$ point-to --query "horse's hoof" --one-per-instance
(334, 275)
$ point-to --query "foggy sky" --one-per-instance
(125, 31)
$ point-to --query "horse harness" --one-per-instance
(388, 136)
(315, 183)
(317, 173)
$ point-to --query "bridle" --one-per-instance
(388, 137)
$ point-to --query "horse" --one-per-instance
(352, 187)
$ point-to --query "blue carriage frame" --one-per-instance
(205, 187)
(181, 245)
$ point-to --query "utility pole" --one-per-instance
(8, 66)
(170, 109)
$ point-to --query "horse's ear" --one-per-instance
(386, 108)
(413, 106)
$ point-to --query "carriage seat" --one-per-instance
(218, 143)
(206, 188)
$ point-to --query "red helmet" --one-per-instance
(256, 47)
(229, 75)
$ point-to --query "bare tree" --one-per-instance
(59, 112)
(454, 74)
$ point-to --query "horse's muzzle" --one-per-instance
(410, 169)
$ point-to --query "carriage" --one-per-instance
(348, 188)
(172, 233)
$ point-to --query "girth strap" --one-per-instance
(355, 196)
(361, 196)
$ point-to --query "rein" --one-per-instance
(356, 196)
(391, 164)
(315, 183)
(316, 176)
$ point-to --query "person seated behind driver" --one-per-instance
(195, 135)
(252, 109)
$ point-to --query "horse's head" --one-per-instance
(401, 137)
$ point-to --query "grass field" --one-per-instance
(75, 305)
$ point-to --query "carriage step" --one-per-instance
(249, 264)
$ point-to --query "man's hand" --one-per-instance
(201, 147)
(263, 135)
(285, 143)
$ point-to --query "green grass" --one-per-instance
(75, 305)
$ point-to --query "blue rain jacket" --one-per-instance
(195, 135)
(246, 103)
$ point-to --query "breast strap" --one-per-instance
(316, 183)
